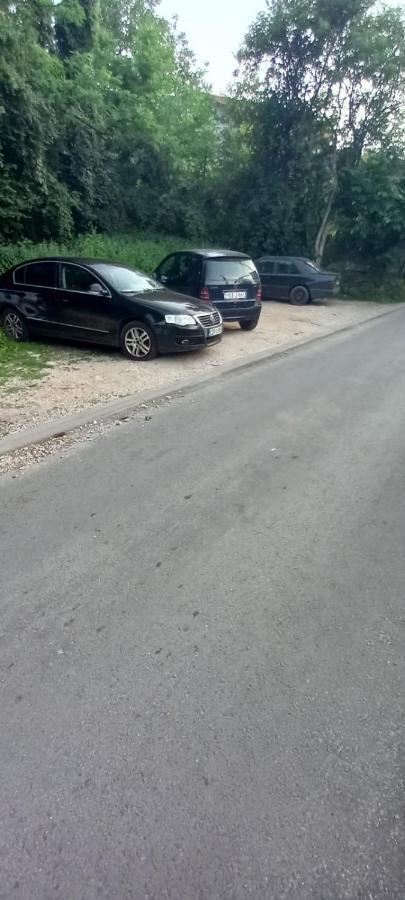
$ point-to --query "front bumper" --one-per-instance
(175, 339)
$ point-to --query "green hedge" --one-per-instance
(143, 252)
(378, 287)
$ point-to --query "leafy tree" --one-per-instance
(371, 207)
(30, 87)
(76, 24)
(322, 77)
(107, 124)
(105, 120)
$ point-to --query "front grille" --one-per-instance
(209, 319)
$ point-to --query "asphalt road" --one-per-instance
(203, 643)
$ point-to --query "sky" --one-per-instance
(215, 29)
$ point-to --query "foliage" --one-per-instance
(371, 206)
(107, 126)
(324, 82)
(375, 287)
(141, 252)
(105, 122)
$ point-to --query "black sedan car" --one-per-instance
(295, 279)
(104, 303)
(226, 278)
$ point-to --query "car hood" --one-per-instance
(169, 302)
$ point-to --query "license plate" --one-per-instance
(234, 295)
(213, 331)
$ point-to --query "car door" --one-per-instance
(265, 267)
(190, 274)
(38, 297)
(87, 311)
(181, 272)
(168, 273)
(285, 272)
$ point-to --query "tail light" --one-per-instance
(205, 295)
(259, 295)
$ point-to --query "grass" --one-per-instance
(25, 362)
(143, 252)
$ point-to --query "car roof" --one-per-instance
(275, 256)
(79, 260)
(212, 253)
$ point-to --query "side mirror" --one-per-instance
(163, 279)
(97, 288)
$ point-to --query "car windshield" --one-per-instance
(231, 271)
(311, 265)
(127, 281)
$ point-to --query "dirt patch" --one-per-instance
(98, 375)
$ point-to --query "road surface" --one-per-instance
(203, 643)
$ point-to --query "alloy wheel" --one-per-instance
(137, 342)
(13, 326)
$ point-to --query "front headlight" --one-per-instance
(180, 320)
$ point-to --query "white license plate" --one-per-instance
(234, 295)
(213, 331)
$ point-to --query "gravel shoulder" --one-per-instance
(80, 378)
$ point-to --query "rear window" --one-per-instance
(286, 268)
(231, 271)
(19, 275)
(40, 274)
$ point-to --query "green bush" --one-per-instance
(378, 287)
(141, 251)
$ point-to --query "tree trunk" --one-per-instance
(323, 232)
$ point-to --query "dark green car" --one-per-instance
(295, 279)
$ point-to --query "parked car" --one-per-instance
(295, 279)
(225, 278)
(104, 303)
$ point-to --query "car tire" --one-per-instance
(138, 342)
(299, 295)
(14, 325)
(248, 324)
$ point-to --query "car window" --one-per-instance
(126, 281)
(311, 265)
(184, 262)
(189, 268)
(19, 275)
(286, 268)
(41, 274)
(74, 278)
(231, 271)
(266, 266)
(170, 266)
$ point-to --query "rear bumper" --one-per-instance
(232, 312)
